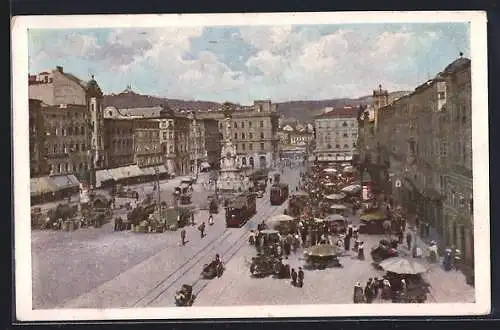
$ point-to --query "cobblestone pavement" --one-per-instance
(67, 265)
(100, 268)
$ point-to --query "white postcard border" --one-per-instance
(22, 229)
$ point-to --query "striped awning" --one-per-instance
(65, 181)
(102, 176)
(148, 170)
(42, 185)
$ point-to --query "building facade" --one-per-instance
(255, 133)
(38, 160)
(336, 134)
(74, 123)
(120, 138)
(426, 139)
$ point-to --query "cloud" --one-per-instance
(280, 62)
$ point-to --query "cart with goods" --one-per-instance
(323, 256)
(37, 218)
(264, 265)
(212, 269)
(123, 192)
(297, 203)
(415, 289)
(185, 297)
(383, 251)
(373, 223)
(283, 223)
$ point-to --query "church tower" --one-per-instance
(94, 103)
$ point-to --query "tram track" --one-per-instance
(237, 242)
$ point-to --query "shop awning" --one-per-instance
(42, 185)
(102, 176)
(125, 172)
(205, 165)
(162, 169)
(148, 170)
(65, 181)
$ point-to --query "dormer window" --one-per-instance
(344, 124)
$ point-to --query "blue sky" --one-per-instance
(243, 63)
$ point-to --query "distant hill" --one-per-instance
(303, 111)
(133, 100)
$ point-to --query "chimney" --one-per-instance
(60, 69)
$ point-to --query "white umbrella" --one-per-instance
(329, 184)
(351, 188)
(281, 218)
(334, 217)
(348, 169)
(329, 170)
(335, 197)
(338, 207)
(400, 265)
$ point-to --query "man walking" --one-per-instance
(202, 229)
(183, 236)
(408, 240)
(300, 277)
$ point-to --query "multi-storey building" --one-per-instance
(73, 120)
(160, 135)
(426, 139)
(38, 160)
(336, 134)
(119, 131)
(254, 132)
(205, 139)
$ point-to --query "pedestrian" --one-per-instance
(403, 285)
(349, 230)
(300, 277)
(192, 219)
(358, 296)
(201, 228)
(427, 230)
(183, 236)
(375, 287)
(368, 292)
(400, 236)
(347, 242)
(408, 240)
(294, 277)
(361, 251)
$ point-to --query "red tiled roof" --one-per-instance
(350, 112)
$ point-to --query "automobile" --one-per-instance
(260, 194)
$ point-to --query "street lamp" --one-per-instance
(192, 117)
(157, 177)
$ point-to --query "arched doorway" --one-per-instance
(244, 161)
(262, 162)
(250, 160)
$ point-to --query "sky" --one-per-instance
(245, 63)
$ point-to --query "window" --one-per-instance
(444, 148)
(262, 146)
(346, 146)
(345, 135)
(261, 123)
(249, 124)
(242, 124)
(242, 146)
(220, 125)
(250, 146)
(337, 146)
(236, 146)
(164, 135)
(329, 146)
(441, 95)
(261, 135)
(344, 124)
(250, 136)
(235, 125)
(354, 145)
(235, 136)
(243, 136)
(55, 148)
